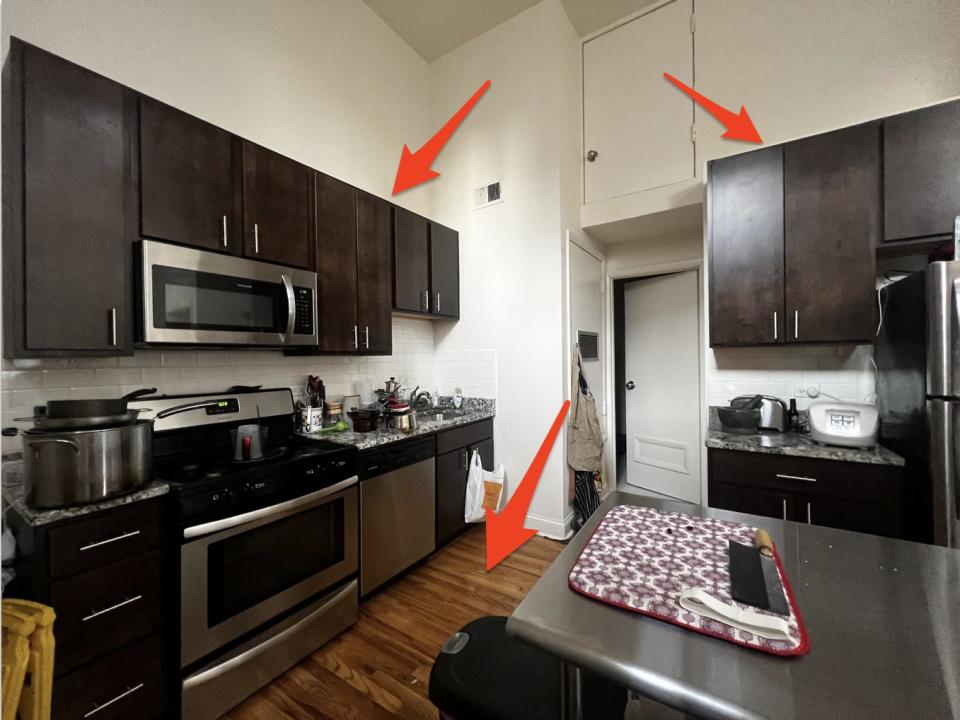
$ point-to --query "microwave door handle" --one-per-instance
(291, 306)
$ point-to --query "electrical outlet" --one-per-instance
(807, 390)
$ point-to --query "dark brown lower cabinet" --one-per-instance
(451, 472)
(850, 496)
(107, 576)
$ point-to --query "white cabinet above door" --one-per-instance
(637, 127)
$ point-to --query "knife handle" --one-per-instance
(764, 542)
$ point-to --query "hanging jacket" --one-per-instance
(584, 437)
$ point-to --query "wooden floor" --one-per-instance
(380, 667)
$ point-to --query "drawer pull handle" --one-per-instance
(122, 536)
(121, 696)
(796, 477)
(98, 613)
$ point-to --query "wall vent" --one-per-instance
(487, 195)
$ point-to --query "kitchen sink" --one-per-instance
(435, 415)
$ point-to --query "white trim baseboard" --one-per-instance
(550, 527)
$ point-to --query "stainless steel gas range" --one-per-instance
(269, 541)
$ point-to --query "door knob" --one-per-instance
(631, 384)
(592, 155)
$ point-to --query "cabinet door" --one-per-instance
(72, 245)
(336, 264)
(411, 262)
(444, 270)
(921, 154)
(374, 277)
(857, 515)
(745, 230)
(754, 501)
(276, 207)
(451, 494)
(189, 179)
(636, 148)
(832, 226)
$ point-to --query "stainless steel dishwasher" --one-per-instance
(397, 510)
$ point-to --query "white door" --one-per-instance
(636, 122)
(662, 372)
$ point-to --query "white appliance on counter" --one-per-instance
(845, 424)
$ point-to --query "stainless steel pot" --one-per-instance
(83, 466)
(404, 422)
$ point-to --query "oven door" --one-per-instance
(194, 296)
(241, 572)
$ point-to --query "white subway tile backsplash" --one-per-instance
(841, 370)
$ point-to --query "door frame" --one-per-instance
(609, 421)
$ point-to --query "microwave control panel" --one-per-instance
(303, 320)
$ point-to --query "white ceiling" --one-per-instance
(435, 27)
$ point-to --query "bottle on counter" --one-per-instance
(793, 417)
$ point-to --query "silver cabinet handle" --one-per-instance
(129, 691)
(125, 602)
(117, 538)
(113, 326)
(426, 300)
(256, 239)
(796, 324)
(366, 336)
(464, 461)
(438, 302)
(809, 514)
(223, 230)
(356, 338)
(784, 509)
(592, 155)
(796, 477)
(774, 324)
(291, 305)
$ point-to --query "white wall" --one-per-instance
(802, 67)
(523, 132)
(326, 83)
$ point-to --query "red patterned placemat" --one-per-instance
(641, 559)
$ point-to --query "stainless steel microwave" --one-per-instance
(197, 297)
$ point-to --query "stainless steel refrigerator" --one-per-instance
(918, 361)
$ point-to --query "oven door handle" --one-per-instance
(218, 670)
(291, 306)
(279, 509)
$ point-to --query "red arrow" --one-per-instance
(739, 127)
(415, 168)
(505, 531)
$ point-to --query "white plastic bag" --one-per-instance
(484, 490)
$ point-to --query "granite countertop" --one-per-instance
(13, 496)
(797, 445)
(474, 411)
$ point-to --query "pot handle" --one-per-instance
(36, 453)
(138, 393)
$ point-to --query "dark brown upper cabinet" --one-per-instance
(70, 207)
(444, 270)
(426, 266)
(374, 277)
(831, 190)
(336, 265)
(276, 207)
(411, 262)
(189, 180)
(353, 269)
(745, 231)
(921, 168)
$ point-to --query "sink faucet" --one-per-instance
(419, 400)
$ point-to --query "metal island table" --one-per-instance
(883, 617)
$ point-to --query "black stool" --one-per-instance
(484, 674)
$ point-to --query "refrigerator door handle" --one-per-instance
(943, 417)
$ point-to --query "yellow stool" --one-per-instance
(17, 630)
(37, 684)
